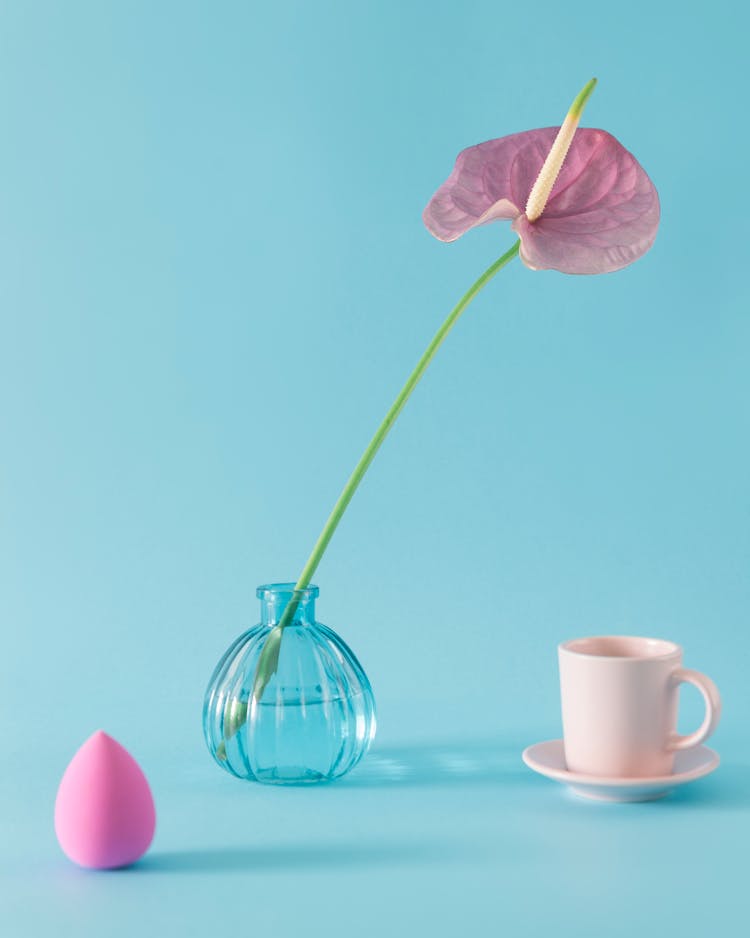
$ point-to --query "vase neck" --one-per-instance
(275, 597)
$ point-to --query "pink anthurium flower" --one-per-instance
(579, 201)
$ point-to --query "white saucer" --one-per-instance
(549, 759)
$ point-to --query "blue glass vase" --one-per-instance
(315, 717)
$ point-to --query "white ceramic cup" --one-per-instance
(619, 705)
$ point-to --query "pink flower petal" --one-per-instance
(602, 214)
(480, 188)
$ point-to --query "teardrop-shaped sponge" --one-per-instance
(104, 812)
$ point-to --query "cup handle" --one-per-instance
(710, 694)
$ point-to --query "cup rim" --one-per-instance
(661, 649)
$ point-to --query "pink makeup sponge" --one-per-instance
(104, 812)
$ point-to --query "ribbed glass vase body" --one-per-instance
(315, 718)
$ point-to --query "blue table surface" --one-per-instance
(429, 839)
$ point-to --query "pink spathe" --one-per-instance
(104, 812)
(602, 213)
(619, 705)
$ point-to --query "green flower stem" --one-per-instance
(236, 713)
(390, 418)
(264, 673)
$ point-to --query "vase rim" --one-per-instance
(269, 590)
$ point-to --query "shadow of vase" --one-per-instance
(439, 764)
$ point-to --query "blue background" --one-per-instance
(213, 281)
